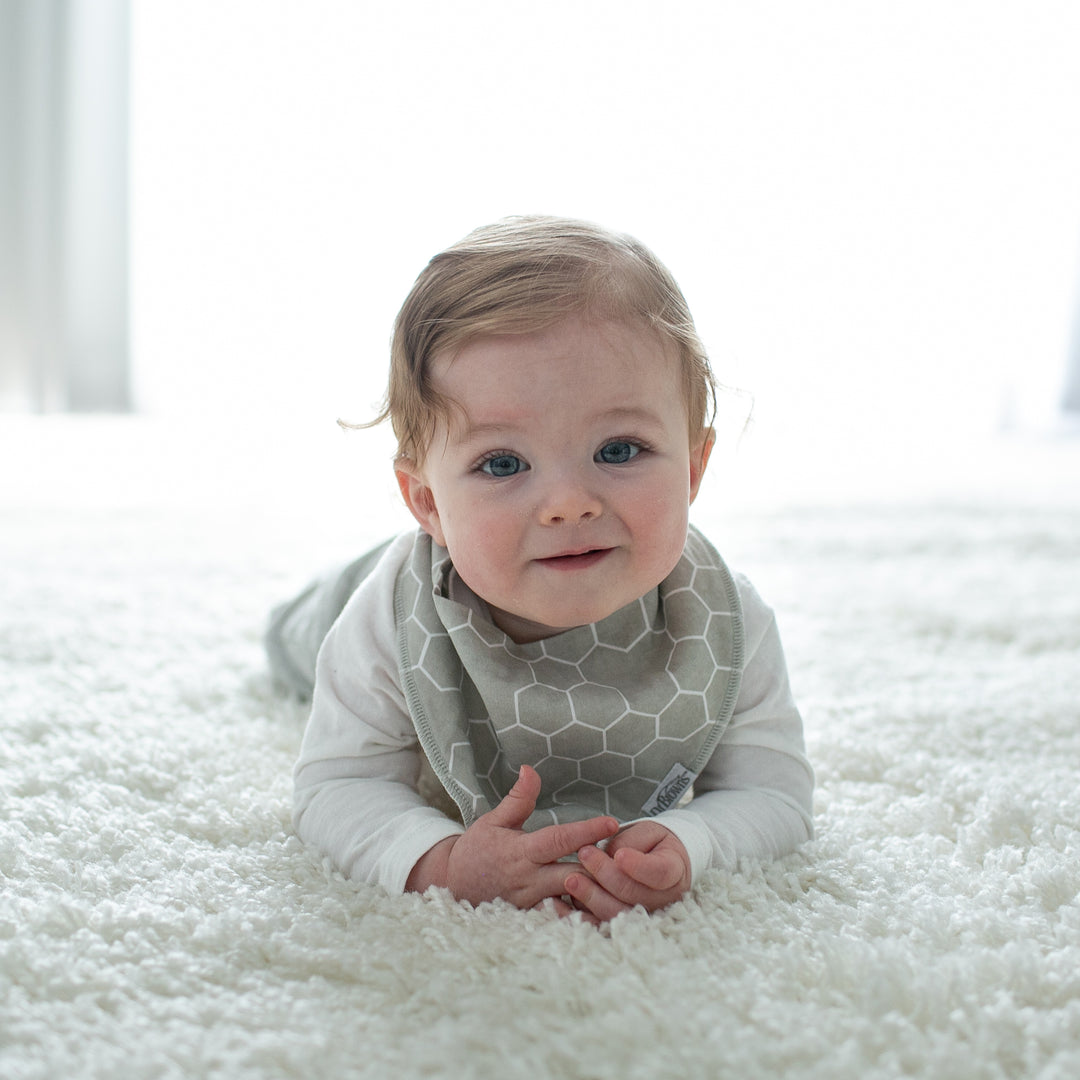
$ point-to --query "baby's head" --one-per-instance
(551, 401)
(521, 275)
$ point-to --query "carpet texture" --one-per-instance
(159, 919)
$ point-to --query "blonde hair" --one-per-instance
(522, 275)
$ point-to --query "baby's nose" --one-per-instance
(569, 502)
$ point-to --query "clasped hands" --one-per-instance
(643, 864)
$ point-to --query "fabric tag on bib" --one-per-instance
(669, 791)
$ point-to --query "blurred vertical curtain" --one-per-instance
(1071, 398)
(64, 76)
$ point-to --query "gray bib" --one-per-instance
(617, 717)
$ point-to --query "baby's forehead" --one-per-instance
(588, 337)
(479, 396)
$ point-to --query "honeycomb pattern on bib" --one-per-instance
(603, 712)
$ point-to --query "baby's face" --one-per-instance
(562, 486)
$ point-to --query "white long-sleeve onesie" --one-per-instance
(356, 796)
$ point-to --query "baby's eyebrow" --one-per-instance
(631, 414)
(469, 429)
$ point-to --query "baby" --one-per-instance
(604, 707)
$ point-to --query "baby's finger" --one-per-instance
(597, 900)
(657, 870)
(554, 842)
(519, 803)
(540, 884)
(613, 879)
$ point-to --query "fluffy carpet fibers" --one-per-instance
(159, 919)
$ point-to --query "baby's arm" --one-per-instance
(355, 782)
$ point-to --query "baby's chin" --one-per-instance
(523, 629)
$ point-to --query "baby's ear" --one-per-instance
(700, 449)
(419, 498)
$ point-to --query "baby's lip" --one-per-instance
(576, 555)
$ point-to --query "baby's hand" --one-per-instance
(645, 864)
(494, 857)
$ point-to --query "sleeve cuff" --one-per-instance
(695, 837)
(403, 854)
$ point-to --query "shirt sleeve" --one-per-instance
(754, 797)
(355, 782)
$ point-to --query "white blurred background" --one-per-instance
(873, 207)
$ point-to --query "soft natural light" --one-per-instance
(873, 207)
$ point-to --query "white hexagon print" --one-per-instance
(616, 717)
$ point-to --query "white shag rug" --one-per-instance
(158, 918)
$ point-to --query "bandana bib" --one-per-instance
(617, 717)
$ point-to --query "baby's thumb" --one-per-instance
(520, 800)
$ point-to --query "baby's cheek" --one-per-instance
(484, 559)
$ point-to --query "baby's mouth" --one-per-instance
(575, 560)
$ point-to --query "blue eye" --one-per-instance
(618, 452)
(503, 465)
